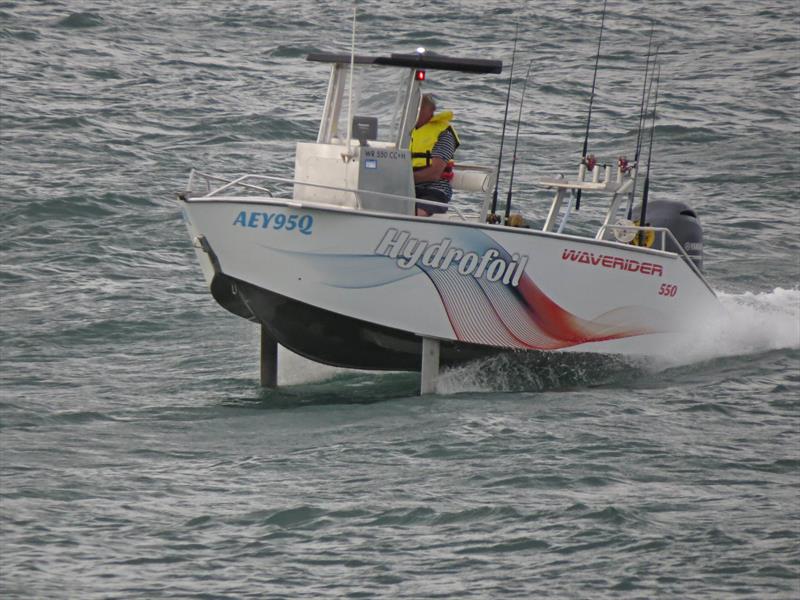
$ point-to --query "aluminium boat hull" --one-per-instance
(360, 289)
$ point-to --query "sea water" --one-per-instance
(140, 458)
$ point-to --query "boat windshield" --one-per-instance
(378, 102)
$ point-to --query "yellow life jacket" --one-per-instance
(424, 138)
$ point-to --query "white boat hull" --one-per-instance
(392, 280)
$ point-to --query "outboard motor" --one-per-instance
(682, 221)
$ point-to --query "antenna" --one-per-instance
(646, 189)
(591, 101)
(516, 140)
(492, 218)
(350, 93)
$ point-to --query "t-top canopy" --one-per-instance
(414, 61)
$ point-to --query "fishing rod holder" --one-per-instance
(595, 171)
(624, 176)
(617, 186)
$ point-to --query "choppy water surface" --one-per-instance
(141, 459)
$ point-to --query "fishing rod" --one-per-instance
(646, 189)
(591, 100)
(642, 113)
(643, 123)
(492, 218)
(516, 141)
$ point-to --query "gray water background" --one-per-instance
(139, 457)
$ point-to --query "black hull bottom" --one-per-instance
(327, 337)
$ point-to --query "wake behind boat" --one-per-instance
(336, 266)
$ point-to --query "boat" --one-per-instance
(334, 264)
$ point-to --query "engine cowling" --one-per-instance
(684, 224)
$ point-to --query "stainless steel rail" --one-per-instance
(665, 233)
(242, 181)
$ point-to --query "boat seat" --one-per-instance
(473, 178)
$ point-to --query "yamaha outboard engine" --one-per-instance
(682, 221)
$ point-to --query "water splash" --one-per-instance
(764, 321)
(507, 372)
(752, 323)
(539, 371)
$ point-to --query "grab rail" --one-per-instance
(240, 182)
(664, 234)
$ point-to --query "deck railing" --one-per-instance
(246, 182)
(665, 234)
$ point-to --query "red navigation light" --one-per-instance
(420, 75)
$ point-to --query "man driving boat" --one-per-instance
(433, 145)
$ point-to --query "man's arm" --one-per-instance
(433, 172)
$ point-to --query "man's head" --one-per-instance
(427, 107)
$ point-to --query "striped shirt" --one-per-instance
(445, 148)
